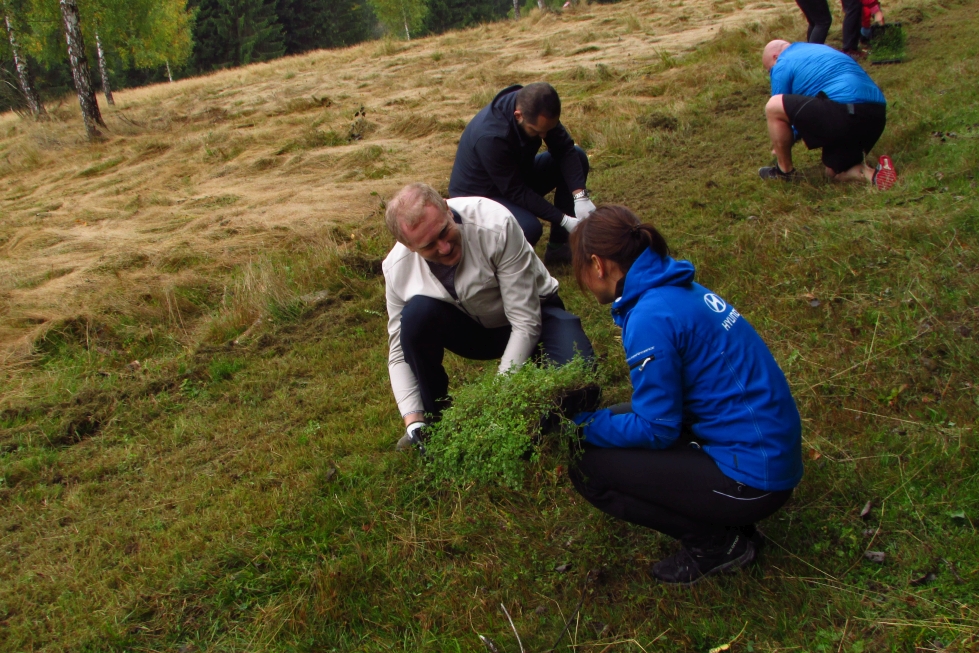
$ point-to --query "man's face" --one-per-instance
(436, 237)
(537, 129)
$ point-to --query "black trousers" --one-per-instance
(819, 19)
(852, 14)
(678, 491)
(545, 177)
(430, 326)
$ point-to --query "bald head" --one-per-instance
(771, 52)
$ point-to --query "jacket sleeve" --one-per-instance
(403, 381)
(503, 168)
(518, 288)
(657, 392)
(561, 146)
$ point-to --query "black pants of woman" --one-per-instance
(852, 14)
(678, 491)
(819, 18)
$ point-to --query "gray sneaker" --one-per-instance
(415, 439)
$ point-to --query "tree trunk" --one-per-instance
(79, 69)
(169, 74)
(541, 5)
(103, 71)
(516, 9)
(23, 75)
(404, 15)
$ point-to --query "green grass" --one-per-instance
(238, 497)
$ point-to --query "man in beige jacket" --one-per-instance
(462, 277)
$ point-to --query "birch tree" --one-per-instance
(396, 15)
(79, 69)
(142, 33)
(103, 69)
(516, 9)
(34, 104)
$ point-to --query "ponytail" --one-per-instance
(615, 233)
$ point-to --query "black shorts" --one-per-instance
(846, 132)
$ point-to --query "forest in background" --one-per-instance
(149, 41)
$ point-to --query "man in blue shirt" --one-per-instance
(498, 158)
(825, 98)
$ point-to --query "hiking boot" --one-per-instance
(884, 176)
(557, 254)
(774, 172)
(689, 565)
(856, 54)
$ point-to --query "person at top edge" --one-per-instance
(711, 442)
(825, 98)
(463, 278)
(498, 158)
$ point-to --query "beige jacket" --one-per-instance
(499, 281)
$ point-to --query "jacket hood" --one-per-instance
(503, 106)
(506, 98)
(648, 271)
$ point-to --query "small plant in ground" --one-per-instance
(888, 43)
(494, 425)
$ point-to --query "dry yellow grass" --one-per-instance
(203, 175)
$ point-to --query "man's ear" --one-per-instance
(517, 114)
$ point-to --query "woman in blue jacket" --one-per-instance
(711, 441)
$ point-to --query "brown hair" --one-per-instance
(615, 233)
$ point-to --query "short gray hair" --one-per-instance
(408, 206)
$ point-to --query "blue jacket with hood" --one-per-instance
(696, 364)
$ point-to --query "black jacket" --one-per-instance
(496, 158)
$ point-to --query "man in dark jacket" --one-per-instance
(498, 158)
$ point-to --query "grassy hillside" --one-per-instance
(196, 429)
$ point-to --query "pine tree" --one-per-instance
(236, 32)
(444, 15)
(313, 24)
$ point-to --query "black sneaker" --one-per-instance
(774, 172)
(689, 565)
(557, 254)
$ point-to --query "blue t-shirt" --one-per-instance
(808, 68)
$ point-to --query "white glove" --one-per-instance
(570, 223)
(583, 207)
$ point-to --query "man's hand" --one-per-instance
(583, 206)
(570, 223)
